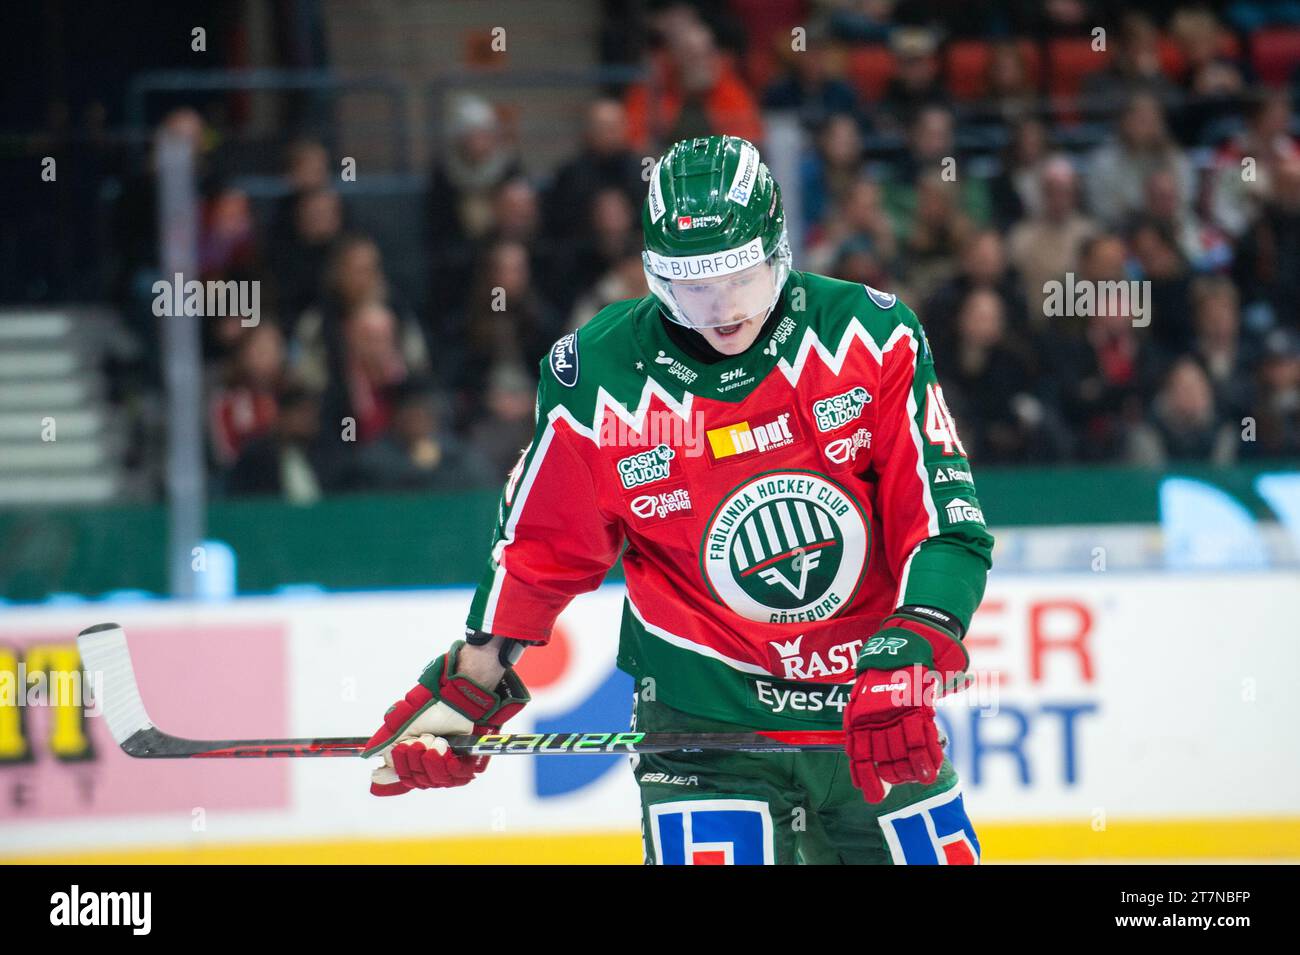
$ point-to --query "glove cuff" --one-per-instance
(904, 641)
(471, 699)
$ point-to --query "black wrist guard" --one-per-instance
(507, 656)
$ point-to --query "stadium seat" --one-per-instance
(1172, 62)
(1275, 54)
(767, 26)
(966, 63)
(1069, 61)
(869, 70)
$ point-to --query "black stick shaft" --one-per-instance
(152, 743)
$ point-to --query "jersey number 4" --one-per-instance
(939, 426)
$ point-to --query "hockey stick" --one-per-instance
(103, 650)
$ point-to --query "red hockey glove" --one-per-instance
(889, 730)
(444, 703)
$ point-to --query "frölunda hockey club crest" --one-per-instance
(786, 547)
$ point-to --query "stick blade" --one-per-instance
(104, 652)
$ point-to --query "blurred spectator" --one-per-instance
(1218, 346)
(860, 21)
(1133, 68)
(1209, 77)
(503, 426)
(462, 187)
(932, 151)
(306, 171)
(1204, 247)
(242, 405)
(1118, 170)
(931, 138)
(1184, 424)
(1009, 94)
(1155, 259)
(696, 92)
(857, 260)
(135, 214)
(1276, 412)
(613, 222)
(299, 258)
(605, 162)
(227, 247)
(516, 216)
(359, 400)
(806, 86)
(1016, 191)
(416, 453)
(859, 219)
(1268, 265)
(1206, 70)
(506, 319)
(1102, 371)
(940, 229)
(1245, 166)
(624, 279)
(983, 267)
(832, 168)
(916, 83)
(1046, 246)
(354, 278)
(286, 462)
(988, 379)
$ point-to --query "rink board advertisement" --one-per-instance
(1114, 716)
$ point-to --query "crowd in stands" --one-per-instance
(965, 205)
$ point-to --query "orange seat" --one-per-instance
(1275, 54)
(1069, 61)
(1172, 61)
(967, 65)
(869, 70)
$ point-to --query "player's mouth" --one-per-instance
(726, 331)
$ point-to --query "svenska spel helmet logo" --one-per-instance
(786, 547)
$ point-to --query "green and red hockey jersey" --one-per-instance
(770, 508)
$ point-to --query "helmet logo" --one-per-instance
(696, 222)
(655, 199)
(742, 186)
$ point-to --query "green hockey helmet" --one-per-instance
(716, 249)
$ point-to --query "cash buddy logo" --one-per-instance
(785, 547)
(646, 467)
(838, 410)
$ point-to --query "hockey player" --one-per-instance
(770, 453)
